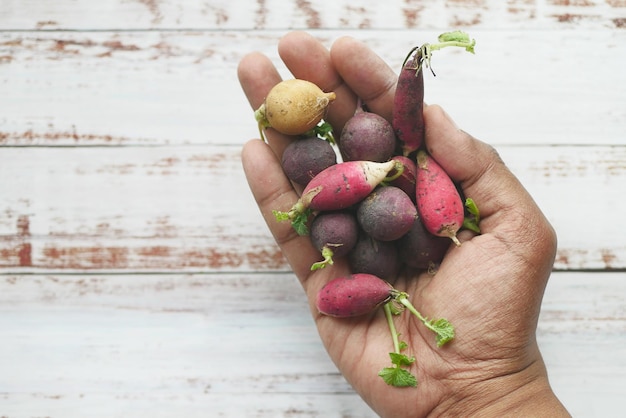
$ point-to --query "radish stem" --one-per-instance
(441, 327)
(327, 253)
(262, 121)
(398, 169)
(392, 327)
(424, 52)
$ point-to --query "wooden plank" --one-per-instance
(367, 14)
(129, 284)
(156, 88)
(131, 208)
(180, 344)
(166, 208)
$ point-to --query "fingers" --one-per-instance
(367, 75)
(350, 69)
(257, 75)
(273, 191)
(307, 58)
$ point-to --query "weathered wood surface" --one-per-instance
(187, 208)
(340, 14)
(244, 345)
(159, 119)
(131, 286)
(563, 87)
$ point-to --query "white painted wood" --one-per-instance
(244, 345)
(189, 208)
(280, 14)
(130, 287)
(147, 88)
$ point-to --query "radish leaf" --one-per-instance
(398, 377)
(300, 222)
(443, 329)
(401, 359)
(471, 221)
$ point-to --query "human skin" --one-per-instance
(490, 288)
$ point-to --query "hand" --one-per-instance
(490, 288)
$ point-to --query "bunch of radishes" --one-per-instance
(375, 196)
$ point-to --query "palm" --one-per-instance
(479, 287)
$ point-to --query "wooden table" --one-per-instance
(137, 277)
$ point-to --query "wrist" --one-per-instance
(524, 393)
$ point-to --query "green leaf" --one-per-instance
(327, 253)
(300, 222)
(403, 345)
(398, 377)
(324, 130)
(471, 222)
(443, 329)
(281, 216)
(396, 308)
(401, 359)
(454, 36)
(472, 208)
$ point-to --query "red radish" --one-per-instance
(408, 103)
(293, 107)
(353, 295)
(439, 204)
(337, 187)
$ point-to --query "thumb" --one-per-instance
(507, 210)
(474, 165)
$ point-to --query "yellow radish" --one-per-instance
(293, 107)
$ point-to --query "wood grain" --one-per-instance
(178, 344)
(160, 88)
(137, 277)
(341, 14)
(172, 208)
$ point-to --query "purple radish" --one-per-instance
(337, 187)
(304, 158)
(387, 213)
(367, 137)
(422, 250)
(371, 256)
(408, 104)
(353, 295)
(334, 234)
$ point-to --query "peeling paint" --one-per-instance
(313, 19)
(32, 137)
(23, 225)
(153, 7)
(412, 13)
(577, 3)
(260, 14)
